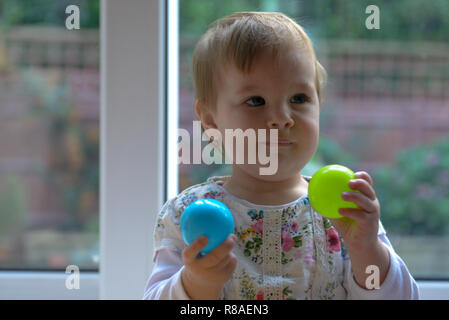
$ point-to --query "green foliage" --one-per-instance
(328, 152)
(196, 15)
(331, 152)
(13, 211)
(48, 12)
(417, 20)
(414, 191)
(337, 19)
(72, 167)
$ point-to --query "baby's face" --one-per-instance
(270, 97)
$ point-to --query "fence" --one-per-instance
(41, 66)
(381, 96)
(49, 101)
(384, 96)
(382, 69)
(390, 94)
(52, 47)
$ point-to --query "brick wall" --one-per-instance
(381, 96)
(34, 62)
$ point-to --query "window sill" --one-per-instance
(433, 290)
(32, 285)
(51, 286)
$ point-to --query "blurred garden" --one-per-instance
(49, 136)
(386, 111)
(386, 108)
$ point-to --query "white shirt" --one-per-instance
(284, 252)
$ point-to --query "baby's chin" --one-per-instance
(282, 173)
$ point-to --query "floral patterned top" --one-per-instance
(284, 252)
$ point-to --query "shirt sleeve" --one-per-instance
(165, 281)
(167, 234)
(398, 284)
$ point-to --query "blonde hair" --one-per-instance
(239, 38)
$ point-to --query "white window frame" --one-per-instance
(133, 151)
(136, 176)
(132, 157)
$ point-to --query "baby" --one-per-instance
(258, 70)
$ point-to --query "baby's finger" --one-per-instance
(362, 201)
(358, 215)
(216, 256)
(365, 176)
(364, 187)
(190, 253)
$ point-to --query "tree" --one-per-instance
(47, 12)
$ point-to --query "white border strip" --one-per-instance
(34, 285)
(433, 290)
(172, 97)
(132, 157)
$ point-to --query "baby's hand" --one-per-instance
(204, 277)
(359, 227)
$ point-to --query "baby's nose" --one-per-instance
(280, 120)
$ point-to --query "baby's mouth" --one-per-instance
(279, 142)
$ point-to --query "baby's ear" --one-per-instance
(205, 115)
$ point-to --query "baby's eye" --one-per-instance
(256, 101)
(301, 98)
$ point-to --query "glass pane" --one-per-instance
(49, 136)
(386, 108)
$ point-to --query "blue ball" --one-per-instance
(206, 217)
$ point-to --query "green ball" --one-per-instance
(326, 188)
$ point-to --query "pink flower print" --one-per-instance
(258, 226)
(294, 226)
(208, 195)
(308, 259)
(333, 241)
(287, 241)
(260, 295)
(212, 195)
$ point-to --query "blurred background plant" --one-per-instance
(329, 151)
(13, 216)
(13, 211)
(49, 102)
(72, 166)
(385, 109)
(47, 12)
(333, 19)
(414, 190)
(411, 181)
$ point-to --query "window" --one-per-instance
(133, 150)
(386, 108)
(49, 137)
(132, 153)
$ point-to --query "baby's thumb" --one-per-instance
(191, 252)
